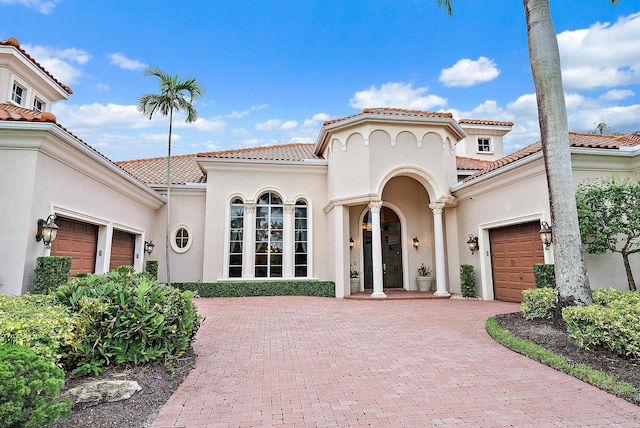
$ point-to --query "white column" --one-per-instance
(438, 236)
(376, 250)
(249, 240)
(287, 243)
(338, 237)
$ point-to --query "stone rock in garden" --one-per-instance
(104, 391)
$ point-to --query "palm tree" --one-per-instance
(178, 95)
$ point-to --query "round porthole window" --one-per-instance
(181, 238)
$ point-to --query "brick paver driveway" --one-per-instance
(308, 361)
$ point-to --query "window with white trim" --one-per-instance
(484, 145)
(269, 234)
(181, 239)
(236, 234)
(300, 239)
(18, 93)
(39, 105)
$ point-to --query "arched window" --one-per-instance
(235, 238)
(300, 239)
(269, 234)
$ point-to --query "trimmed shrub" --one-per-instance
(151, 267)
(50, 272)
(37, 322)
(29, 389)
(467, 281)
(545, 275)
(259, 288)
(538, 303)
(613, 323)
(128, 318)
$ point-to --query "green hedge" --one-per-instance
(545, 275)
(37, 322)
(259, 288)
(29, 390)
(151, 267)
(467, 281)
(50, 272)
(538, 303)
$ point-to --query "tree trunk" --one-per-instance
(627, 268)
(572, 284)
(168, 225)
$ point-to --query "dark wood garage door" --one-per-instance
(123, 247)
(78, 240)
(514, 251)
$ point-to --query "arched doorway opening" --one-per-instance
(391, 231)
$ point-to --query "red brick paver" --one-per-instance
(309, 361)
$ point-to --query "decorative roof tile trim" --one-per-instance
(391, 112)
(283, 152)
(12, 113)
(16, 44)
(470, 164)
(484, 122)
(184, 170)
(576, 139)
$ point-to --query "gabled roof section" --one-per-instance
(576, 139)
(284, 152)
(184, 169)
(16, 44)
(391, 112)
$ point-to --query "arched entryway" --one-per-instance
(391, 238)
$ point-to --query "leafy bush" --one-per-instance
(50, 272)
(37, 322)
(467, 281)
(151, 267)
(260, 288)
(128, 318)
(538, 303)
(614, 323)
(29, 389)
(545, 275)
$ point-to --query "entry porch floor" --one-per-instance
(395, 294)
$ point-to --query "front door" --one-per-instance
(391, 249)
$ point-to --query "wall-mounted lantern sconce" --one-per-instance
(148, 246)
(546, 235)
(47, 231)
(473, 244)
(351, 242)
(416, 242)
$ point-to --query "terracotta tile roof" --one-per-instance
(16, 44)
(470, 164)
(10, 112)
(392, 112)
(184, 169)
(576, 139)
(283, 152)
(484, 122)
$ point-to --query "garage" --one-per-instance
(123, 247)
(514, 251)
(79, 241)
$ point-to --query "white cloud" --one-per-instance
(59, 62)
(125, 63)
(102, 115)
(240, 114)
(45, 7)
(398, 95)
(215, 124)
(604, 55)
(102, 86)
(618, 94)
(289, 125)
(467, 72)
(268, 125)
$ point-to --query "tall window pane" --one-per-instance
(235, 238)
(300, 239)
(269, 224)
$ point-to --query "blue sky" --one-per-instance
(275, 70)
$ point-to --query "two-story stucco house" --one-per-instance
(382, 192)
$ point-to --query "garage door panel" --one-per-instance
(122, 249)
(514, 251)
(77, 240)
